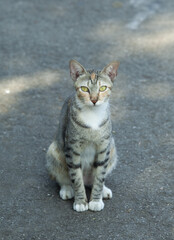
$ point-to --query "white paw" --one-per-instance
(107, 193)
(66, 192)
(96, 205)
(80, 207)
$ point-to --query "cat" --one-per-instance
(83, 152)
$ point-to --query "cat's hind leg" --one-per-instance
(58, 170)
(107, 193)
(113, 159)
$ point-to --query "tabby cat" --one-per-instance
(83, 152)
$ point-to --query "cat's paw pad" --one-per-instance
(66, 192)
(96, 205)
(107, 193)
(80, 207)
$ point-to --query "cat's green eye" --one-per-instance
(102, 88)
(84, 89)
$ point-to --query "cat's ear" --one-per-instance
(76, 69)
(111, 70)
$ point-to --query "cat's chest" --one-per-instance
(93, 117)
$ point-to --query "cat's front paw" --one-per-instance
(80, 206)
(96, 205)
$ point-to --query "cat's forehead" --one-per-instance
(93, 77)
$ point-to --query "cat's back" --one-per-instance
(63, 120)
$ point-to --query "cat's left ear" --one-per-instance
(111, 70)
(76, 69)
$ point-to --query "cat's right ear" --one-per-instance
(76, 69)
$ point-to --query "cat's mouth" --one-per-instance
(96, 104)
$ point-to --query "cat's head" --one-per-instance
(93, 87)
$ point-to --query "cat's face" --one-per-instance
(95, 90)
(93, 87)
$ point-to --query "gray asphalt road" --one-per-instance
(37, 40)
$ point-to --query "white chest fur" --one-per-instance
(94, 116)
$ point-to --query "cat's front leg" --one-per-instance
(75, 173)
(100, 165)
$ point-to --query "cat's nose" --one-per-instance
(94, 101)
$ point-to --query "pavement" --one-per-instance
(37, 40)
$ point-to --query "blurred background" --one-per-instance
(37, 40)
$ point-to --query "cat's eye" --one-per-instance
(84, 89)
(102, 88)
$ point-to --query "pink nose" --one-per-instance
(94, 101)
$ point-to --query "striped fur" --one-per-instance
(83, 152)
